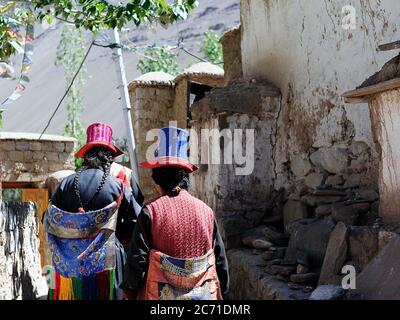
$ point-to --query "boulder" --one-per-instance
(323, 211)
(310, 237)
(293, 210)
(358, 148)
(302, 269)
(346, 214)
(314, 180)
(335, 180)
(250, 235)
(335, 256)
(274, 236)
(384, 238)
(367, 195)
(328, 292)
(304, 278)
(333, 159)
(261, 244)
(381, 277)
(315, 201)
(363, 245)
(352, 181)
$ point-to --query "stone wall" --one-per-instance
(239, 201)
(25, 158)
(20, 272)
(301, 47)
(231, 42)
(152, 108)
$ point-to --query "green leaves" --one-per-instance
(212, 48)
(158, 59)
(95, 15)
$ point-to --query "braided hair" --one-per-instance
(94, 158)
(171, 179)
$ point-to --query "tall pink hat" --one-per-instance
(99, 135)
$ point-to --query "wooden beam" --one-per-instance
(18, 185)
(366, 94)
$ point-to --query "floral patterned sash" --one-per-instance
(170, 278)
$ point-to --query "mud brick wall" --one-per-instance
(239, 201)
(152, 108)
(25, 158)
(20, 272)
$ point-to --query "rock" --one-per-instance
(303, 258)
(274, 236)
(257, 252)
(361, 208)
(346, 214)
(363, 245)
(358, 148)
(261, 244)
(272, 270)
(282, 278)
(352, 181)
(295, 286)
(335, 180)
(329, 192)
(315, 201)
(302, 269)
(384, 238)
(358, 165)
(367, 195)
(334, 159)
(380, 279)
(293, 210)
(250, 235)
(300, 166)
(310, 238)
(323, 211)
(335, 256)
(328, 292)
(275, 262)
(274, 253)
(304, 278)
(314, 180)
(286, 271)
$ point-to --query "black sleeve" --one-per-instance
(221, 261)
(138, 255)
(129, 210)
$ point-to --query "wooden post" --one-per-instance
(384, 105)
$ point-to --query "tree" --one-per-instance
(212, 48)
(158, 59)
(95, 15)
(70, 53)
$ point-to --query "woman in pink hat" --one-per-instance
(176, 251)
(91, 216)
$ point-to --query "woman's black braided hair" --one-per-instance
(94, 158)
(171, 179)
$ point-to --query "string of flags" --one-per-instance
(26, 60)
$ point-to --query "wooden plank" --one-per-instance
(366, 94)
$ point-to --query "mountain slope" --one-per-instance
(31, 112)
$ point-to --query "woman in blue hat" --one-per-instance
(176, 251)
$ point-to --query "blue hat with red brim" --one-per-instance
(172, 150)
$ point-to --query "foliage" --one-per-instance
(158, 59)
(70, 53)
(95, 15)
(212, 48)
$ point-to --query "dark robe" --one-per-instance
(132, 200)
